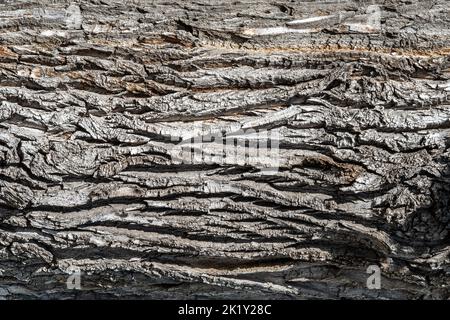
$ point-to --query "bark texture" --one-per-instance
(92, 94)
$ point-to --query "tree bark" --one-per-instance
(95, 95)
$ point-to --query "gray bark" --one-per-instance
(94, 94)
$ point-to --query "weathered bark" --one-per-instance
(92, 94)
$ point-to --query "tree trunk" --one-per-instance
(95, 97)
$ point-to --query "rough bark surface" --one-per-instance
(92, 94)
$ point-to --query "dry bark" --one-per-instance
(92, 94)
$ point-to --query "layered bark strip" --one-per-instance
(96, 201)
